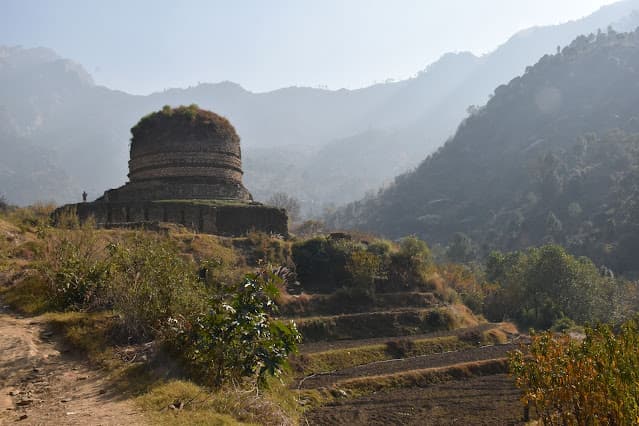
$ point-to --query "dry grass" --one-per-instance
(338, 359)
(386, 323)
(7, 228)
(421, 378)
(436, 283)
(30, 218)
(342, 302)
(89, 334)
(28, 295)
(228, 406)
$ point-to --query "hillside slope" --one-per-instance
(552, 157)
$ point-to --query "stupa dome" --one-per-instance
(186, 153)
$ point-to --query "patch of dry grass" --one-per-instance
(386, 323)
(338, 359)
(29, 295)
(30, 218)
(227, 406)
(87, 333)
(424, 377)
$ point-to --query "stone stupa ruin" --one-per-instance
(185, 167)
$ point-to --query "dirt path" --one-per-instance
(39, 385)
(406, 364)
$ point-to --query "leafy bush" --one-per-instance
(541, 285)
(144, 278)
(562, 325)
(325, 264)
(238, 338)
(150, 283)
(408, 267)
(593, 381)
(363, 267)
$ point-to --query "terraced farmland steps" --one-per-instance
(398, 365)
(337, 303)
(445, 362)
(385, 323)
(326, 345)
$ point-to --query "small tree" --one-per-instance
(238, 337)
(286, 202)
(587, 382)
(408, 266)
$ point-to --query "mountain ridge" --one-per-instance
(87, 126)
(552, 157)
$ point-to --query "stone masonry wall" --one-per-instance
(177, 189)
(227, 220)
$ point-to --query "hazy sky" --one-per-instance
(141, 46)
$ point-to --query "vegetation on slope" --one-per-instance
(185, 303)
(212, 321)
(551, 158)
(176, 124)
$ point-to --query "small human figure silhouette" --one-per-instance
(84, 196)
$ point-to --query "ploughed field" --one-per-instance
(408, 358)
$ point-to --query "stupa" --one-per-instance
(185, 167)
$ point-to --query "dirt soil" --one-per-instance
(487, 400)
(407, 364)
(41, 384)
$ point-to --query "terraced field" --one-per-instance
(406, 359)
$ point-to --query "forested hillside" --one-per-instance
(552, 157)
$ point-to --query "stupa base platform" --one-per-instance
(218, 217)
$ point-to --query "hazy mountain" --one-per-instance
(552, 157)
(324, 147)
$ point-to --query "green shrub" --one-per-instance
(562, 324)
(541, 285)
(150, 283)
(238, 338)
(313, 263)
(408, 268)
(381, 248)
(363, 267)
(327, 264)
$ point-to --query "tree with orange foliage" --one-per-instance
(594, 381)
